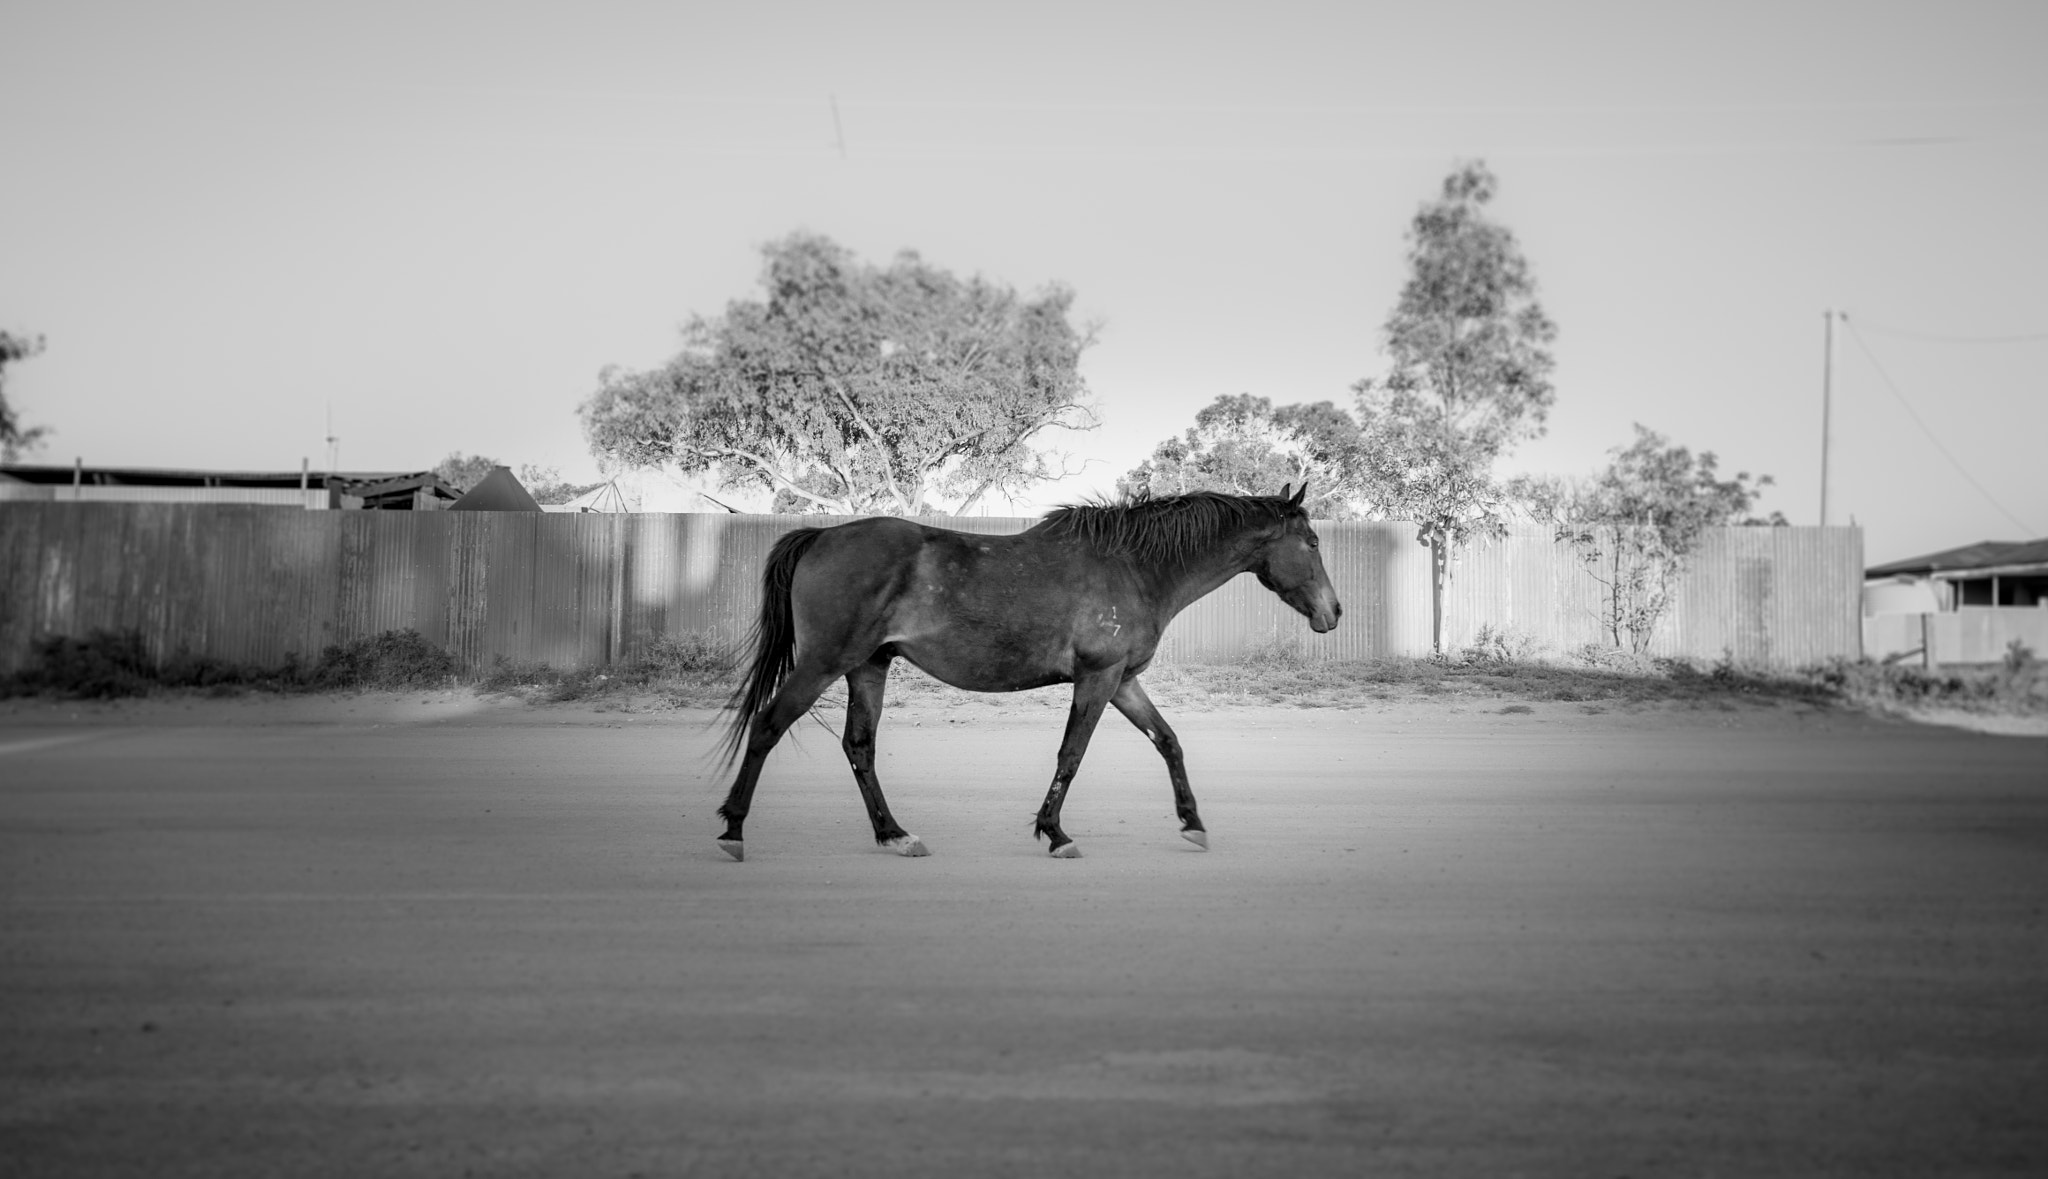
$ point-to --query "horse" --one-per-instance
(1081, 597)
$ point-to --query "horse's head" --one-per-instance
(1291, 566)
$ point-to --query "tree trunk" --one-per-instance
(1439, 565)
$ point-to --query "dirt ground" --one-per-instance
(436, 935)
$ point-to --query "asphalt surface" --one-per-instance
(386, 936)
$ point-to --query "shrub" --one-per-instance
(390, 659)
(693, 652)
(2019, 685)
(1502, 645)
(103, 665)
(1614, 659)
(2018, 658)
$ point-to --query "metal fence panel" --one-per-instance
(256, 584)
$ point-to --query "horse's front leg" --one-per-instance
(1137, 707)
(1092, 691)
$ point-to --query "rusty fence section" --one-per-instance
(255, 583)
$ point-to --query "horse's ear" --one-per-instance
(1285, 489)
(1296, 501)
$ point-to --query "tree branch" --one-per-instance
(888, 468)
(768, 467)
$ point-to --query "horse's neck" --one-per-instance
(1198, 578)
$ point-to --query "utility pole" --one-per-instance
(1827, 399)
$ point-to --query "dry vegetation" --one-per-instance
(694, 671)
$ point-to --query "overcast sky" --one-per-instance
(442, 220)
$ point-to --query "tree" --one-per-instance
(547, 486)
(544, 484)
(1246, 446)
(463, 472)
(14, 439)
(857, 389)
(1636, 524)
(1469, 376)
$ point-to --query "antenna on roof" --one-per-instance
(333, 442)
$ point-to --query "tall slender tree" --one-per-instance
(1468, 375)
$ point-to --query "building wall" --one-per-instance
(289, 497)
(248, 583)
(1972, 634)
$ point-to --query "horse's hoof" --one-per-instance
(734, 848)
(906, 845)
(1198, 838)
(1066, 851)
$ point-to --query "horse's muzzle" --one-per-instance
(1323, 618)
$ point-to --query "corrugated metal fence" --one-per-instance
(251, 584)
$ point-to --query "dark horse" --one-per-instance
(1080, 598)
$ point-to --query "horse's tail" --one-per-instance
(773, 638)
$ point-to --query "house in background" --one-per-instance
(1988, 573)
(1962, 605)
(303, 488)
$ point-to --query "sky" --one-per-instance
(438, 222)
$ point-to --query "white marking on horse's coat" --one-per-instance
(907, 845)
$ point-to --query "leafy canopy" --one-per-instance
(544, 484)
(1469, 373)
(463, 472)
(854, 389)
(1244, 445)
(14, 438)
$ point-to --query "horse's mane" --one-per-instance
(1167, 530)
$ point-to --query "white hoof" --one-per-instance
(906, 845)
(734, 848)
(1198, 838)
(1066, 851)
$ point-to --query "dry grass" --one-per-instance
(1264, 680)
(694, 671)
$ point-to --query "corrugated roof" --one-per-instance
(45, 473)
(499, 491)
(1985, 554)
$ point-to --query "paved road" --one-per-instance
(413, 941)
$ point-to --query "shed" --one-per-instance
(499, 491)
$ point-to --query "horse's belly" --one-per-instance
(988, 662)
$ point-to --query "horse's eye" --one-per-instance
(1314, 543)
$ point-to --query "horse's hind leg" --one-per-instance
(792, 701)
(864, 687)
(1137, 707)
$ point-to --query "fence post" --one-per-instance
(616, 646)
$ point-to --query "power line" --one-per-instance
(1940, 338)
(769, 98)
(1914, 414)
